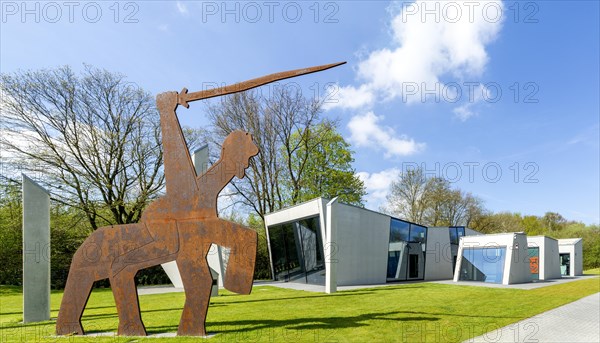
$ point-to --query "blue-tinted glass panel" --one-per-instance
(482, 264)
(417, 233)
(460, 231)
(399, 230)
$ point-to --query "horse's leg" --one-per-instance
(242, 242)
(196, 278)
(128, 306)
(75, 297)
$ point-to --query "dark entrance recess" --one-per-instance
(413, 266)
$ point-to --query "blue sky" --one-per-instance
(499, 97)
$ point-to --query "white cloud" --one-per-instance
(181, 7)
(351, 97)
(378, 186)
(367, 132)
(424, 49)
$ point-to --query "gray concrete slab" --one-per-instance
(317, 288)
(36, 252)
(529, 285)
(574, 322)
(145, 290)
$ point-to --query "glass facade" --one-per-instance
(482, 264)
(297, 251)
(406, 251)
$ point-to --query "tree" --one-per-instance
(554, 221)
(11, 228)
(431, 201)
(501, 222)
(327, 167)
(95, 138)
(295, 145)
(409, 195)
(450, 207)
(533, 225)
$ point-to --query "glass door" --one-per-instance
(565, 264)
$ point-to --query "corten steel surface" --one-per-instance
(179, 226)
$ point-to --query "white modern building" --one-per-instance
(571, 256)
(330, 243)
(333, 244)
(497, 258)
(544, 259)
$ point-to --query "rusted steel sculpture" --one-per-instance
(180, 226)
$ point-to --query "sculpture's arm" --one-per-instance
(184, 97)
(180, 176)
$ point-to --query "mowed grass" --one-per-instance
(415, 312)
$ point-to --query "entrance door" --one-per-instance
(413, 266)
(565, 264)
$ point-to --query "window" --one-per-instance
(406, 251)
(482, 264)
(417, 233)
(399, 230)
(453, 235)
(297, 251)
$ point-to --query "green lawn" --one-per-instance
(415, 312)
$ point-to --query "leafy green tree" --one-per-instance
(499, 222)
(554, 221)
(262, 269)
(11, 249)
(328, 168)
(533, 226)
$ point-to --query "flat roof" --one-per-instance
(568, 241)
(543, 236)
(327, 200)
(498, 234)
(296, 205)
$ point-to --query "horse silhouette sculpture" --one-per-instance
(180, 226)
